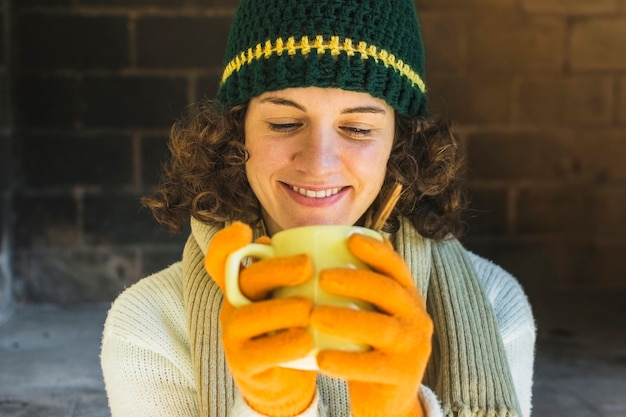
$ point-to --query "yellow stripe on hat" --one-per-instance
(321, 45)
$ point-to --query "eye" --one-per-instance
(284, 127)
(357, 132)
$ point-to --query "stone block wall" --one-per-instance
(537, 89)
(97, 85)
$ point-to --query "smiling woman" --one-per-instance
(213, 185)
(318, 118)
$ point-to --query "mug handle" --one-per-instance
(231, 272)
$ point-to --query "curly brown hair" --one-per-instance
(205, 177)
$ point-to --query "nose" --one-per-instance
(319, 153)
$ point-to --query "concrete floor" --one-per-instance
(49, 364)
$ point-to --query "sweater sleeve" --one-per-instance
(145, 355)
(516, 323)
(145, 352)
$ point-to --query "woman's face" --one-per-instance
(317, 155)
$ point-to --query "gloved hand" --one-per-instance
(385, 380)
(259, 336)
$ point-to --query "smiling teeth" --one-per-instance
(315, 194)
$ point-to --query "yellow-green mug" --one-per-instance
(326, 245)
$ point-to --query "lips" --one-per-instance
(316, 193)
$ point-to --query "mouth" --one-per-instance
(323, 193)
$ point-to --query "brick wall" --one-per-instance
(537, 87)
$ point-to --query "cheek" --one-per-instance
(252, 167)
(264, 162)
(256, 153)
(261, 157)
(382, 163)
(370, 171)
(255, 169)
(377, 163)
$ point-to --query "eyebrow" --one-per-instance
(364, 109)
(352, 110)
(282, 102)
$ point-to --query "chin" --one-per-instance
(312, 221)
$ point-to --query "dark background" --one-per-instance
(90, 88)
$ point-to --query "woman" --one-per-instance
(321, 111)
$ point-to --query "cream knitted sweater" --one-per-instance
(147, 365)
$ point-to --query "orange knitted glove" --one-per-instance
(260, 336)
(383, 381)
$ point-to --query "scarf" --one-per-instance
(467, 370)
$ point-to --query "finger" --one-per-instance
(371, 366)
(257, 319)
(263, 240)
(261, 277)
(381, 257)
(225, 242)
(257, 355)
(383, 292)
(370, 328)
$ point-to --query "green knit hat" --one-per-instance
(373, 46)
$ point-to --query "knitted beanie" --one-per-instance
(373, 46)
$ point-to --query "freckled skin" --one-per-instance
(317, 155)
